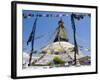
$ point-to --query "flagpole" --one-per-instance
(74, 33)
(32, 42)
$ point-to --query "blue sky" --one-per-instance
(46, 27)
